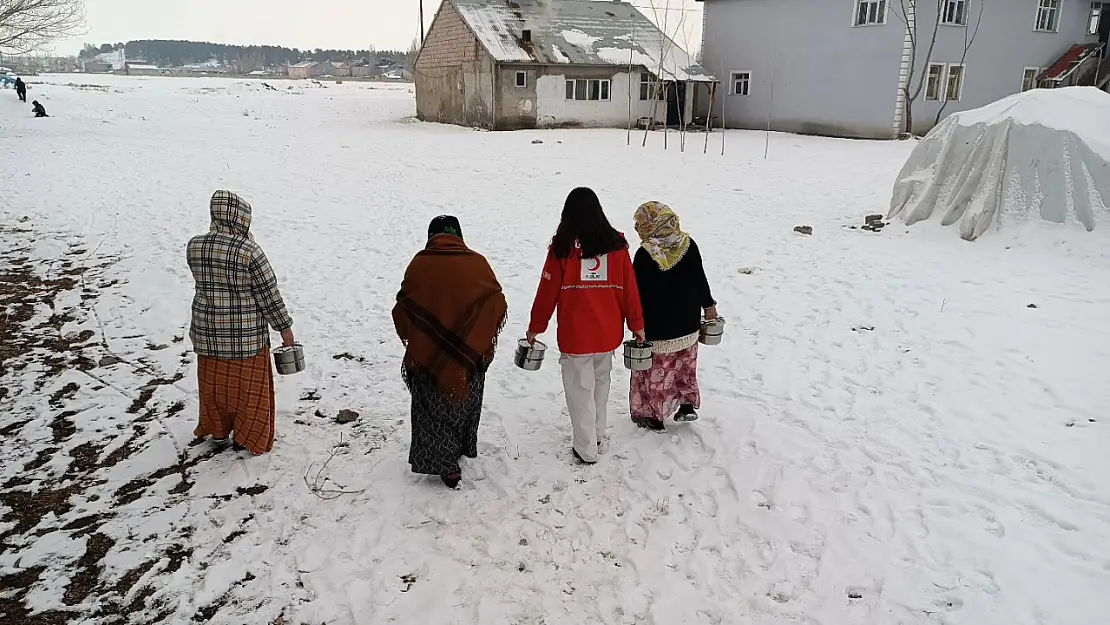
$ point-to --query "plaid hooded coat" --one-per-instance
(237, 294)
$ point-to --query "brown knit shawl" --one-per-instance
(449, 313)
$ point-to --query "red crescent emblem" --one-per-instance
(596, 265)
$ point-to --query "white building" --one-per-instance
(511, 64)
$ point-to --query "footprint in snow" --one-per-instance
(949, 604)
(408, 581)
(761, 499)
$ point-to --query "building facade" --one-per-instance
(840, 67)
(306, 69)
(141, 69)
(513, 64)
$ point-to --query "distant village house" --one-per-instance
(306, 69)
(508, 64)
(139, 68)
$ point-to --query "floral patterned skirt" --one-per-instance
(672, 381)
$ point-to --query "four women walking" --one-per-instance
(449, 313)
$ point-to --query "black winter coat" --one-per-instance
(672, 300)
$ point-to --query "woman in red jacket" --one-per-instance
(588, 276)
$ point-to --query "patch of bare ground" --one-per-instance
(12, 608)
(37, 502)
(33, 504)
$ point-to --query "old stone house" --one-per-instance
(508, 64)
(303, 70)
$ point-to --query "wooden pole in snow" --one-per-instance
(682, 126)
(709, 116)
(724, 101)
(631, 48)
(770, 109)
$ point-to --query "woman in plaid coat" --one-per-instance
(236, 304)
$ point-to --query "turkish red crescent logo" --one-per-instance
(596, 264)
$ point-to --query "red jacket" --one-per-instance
(594, 297)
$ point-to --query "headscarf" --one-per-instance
(449, 312)
(445, 224)
(661, 235)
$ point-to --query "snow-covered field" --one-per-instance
(891, 434)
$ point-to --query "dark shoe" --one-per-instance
(451, 480)
(237, 447)
(686, 413)
(651, 424)
(579, 457)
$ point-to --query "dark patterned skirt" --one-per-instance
(442, 430)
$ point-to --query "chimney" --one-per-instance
(526, 36)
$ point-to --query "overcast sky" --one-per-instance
(329, 24)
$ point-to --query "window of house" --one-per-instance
(870, 12)
(1048, 15)
(1096, 17)
(649, 88)
(954, 85)
(1029, 78)
(934, 80)
(521, 80)
(597, 89)
(954, 13)
(740, 83)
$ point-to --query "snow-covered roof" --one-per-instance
(577, 32)
(115, 59)
(142, 66)
(1084, 111)
(306, 64)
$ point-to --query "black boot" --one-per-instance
(451, 480)
(651, 424)
(686, 413)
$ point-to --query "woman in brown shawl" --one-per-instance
(448, 315)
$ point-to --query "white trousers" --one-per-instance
(586, 380)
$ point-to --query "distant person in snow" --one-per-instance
(38, 109)
(675, 293)
(21, 89)
(235, 305)
(588, 277)
(448, 315)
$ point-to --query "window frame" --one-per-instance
(604, 88)
(948, 82)
(521, 84)
(747, 83)
(1032, 82)
(946, 4)
(1043, 9)
(652, 83)
(1095, 17)
(941, 84)
(883, 12)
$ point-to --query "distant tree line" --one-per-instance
(167, 53)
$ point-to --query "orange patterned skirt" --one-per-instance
(237, 396)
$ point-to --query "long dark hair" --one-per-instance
(584, 221)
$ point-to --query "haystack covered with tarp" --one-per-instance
(1043, 154)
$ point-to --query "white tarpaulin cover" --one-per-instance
(1042, 154)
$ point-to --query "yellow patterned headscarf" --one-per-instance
(660, 234)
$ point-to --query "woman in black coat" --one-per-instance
(675, 294)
